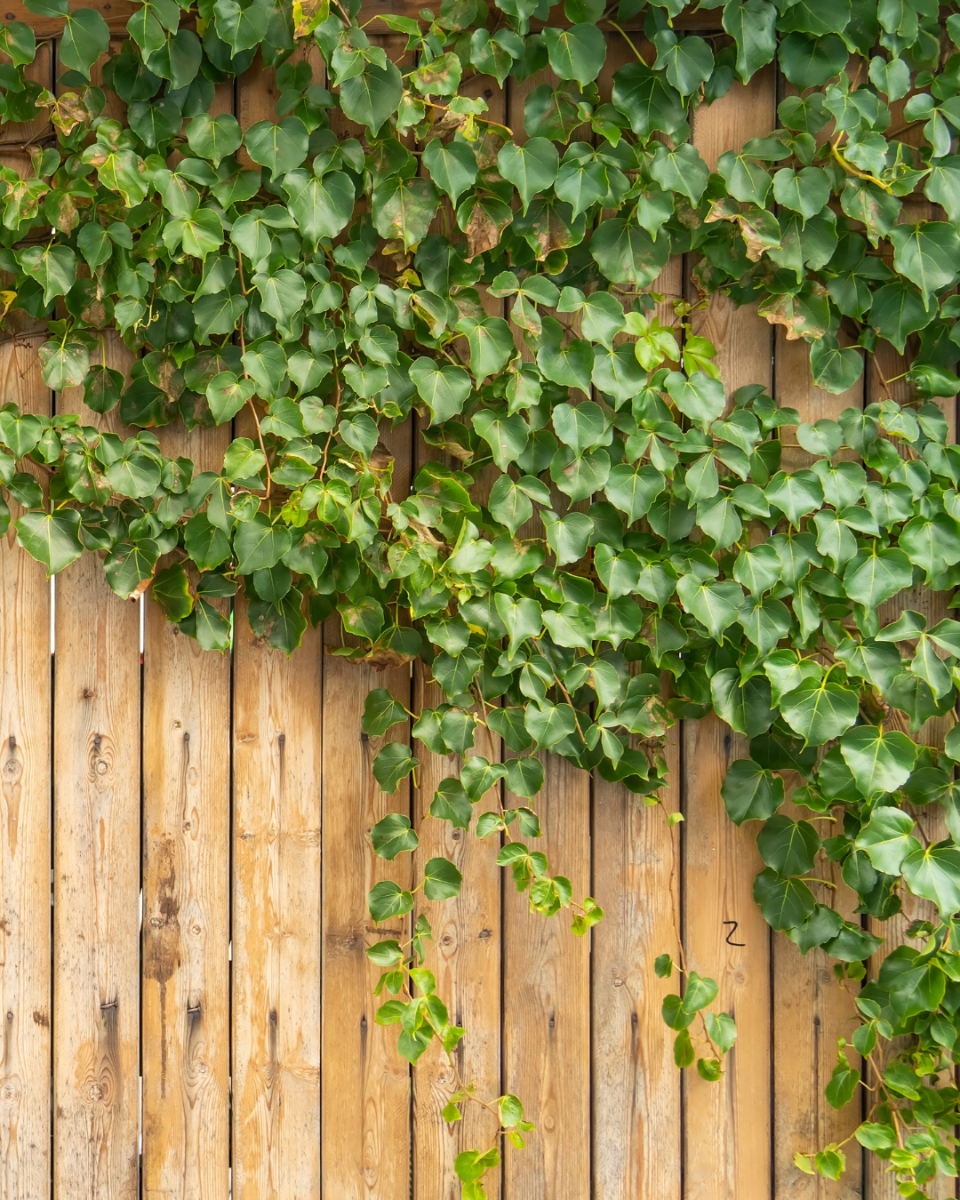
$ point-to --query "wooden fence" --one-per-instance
(188, 1008)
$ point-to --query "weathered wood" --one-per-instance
(96, 773)
(730, 1151)
(465, 956)
(25, 712)
(186, 897)
(366, 1085)
(25, 822)
(276, 912)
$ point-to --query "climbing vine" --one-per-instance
(603, 540)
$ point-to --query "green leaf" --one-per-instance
(925, 254)
(64, 364)
(751, 24)
(934, 874)
(279, 147)
(784, 903)
(880, 762)
(85, 37)
(258, 544)
(392, 765)
(843, 1083)
(129, 565)
(453, 167)
(789, 847)
(819, 710)
(648, 101)
(576, 53)
(393, 835)
(871, 579)
(700, 398)
(491, 345)
(627, 254)
(442, 880)
(404, 208)
(388, 899)
(716, 605)
(531, 167)
(548, 723)
(52, 539)
(381, 712)
(887, 839)
(371, 97)
(750, 792)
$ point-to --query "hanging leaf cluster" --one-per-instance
(600, 539)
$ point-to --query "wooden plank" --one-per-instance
(25, 712)
(635, 1084)
(276, 917)
(546, 1005)
(186, 896)
(186, 886)
(465, 957)
(810, 1012)
(366, 1135)
(366, 1084)
(96, 763)
(26, 700)
(727, 1150)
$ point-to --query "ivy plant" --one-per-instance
(600, 539)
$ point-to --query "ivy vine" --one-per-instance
(605, 540)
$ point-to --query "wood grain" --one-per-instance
(96, 765)
(729, 1153)
(186, 897)
(276, 912)
(366, 1084)
(25, 715)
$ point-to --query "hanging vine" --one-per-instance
(616, 546)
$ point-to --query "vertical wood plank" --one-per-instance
(25, 711)
(276, 917)
(366, 1084)
(186, 897)
(96, 763)
(636, 1086)
(186, 885)
(546, 1005)
(366, 1146)
(727, 1147)
(26, 700)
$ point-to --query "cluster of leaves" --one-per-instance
(604, 541)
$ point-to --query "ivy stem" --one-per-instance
(623, 34)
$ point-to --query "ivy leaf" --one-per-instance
(750, 792)
(64, 364)
(393, 764)
(819, 710)
(51, 538)
(648, 101)
(453, 168)
(280, 147)
(404, 208)
(441, 878)
(388, 899)
(491, 345)
(789, 847)
(393, 835)
(784, 903)
(680, 170)
(443, 388)
(381, 712)
(531, 167)
(548, 723)
(716, 605)
(700, 398)
(870, 579)
(282, 294)
(85, 37)
(576, 53)
(322, 207)
(880, 762)
(751, 24)
(214, 137)
(934, 874)
(626, 253)
(371, 97)
(129, 566)
(226, 395)
(887, 839)
(925, 254)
